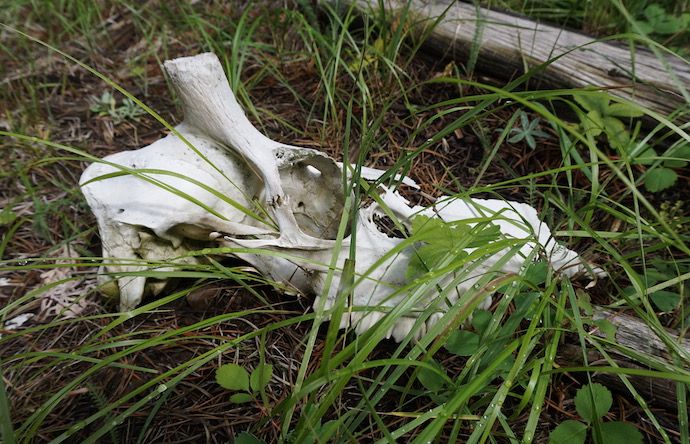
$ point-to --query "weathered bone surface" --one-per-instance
(218, 181)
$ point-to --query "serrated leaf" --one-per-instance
(247, 438)
(665, 301)
(463, 343)
(432, 379)
(241, 398)
(260, 377)
(593, 401)
(659, 179)
(232, 377)
(569, 432)
(618, 431)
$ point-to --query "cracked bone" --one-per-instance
(217, 181)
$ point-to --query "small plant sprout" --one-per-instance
(248, 387)
(605, 117)
(106, 105)
(662, 174)
(527, 131)
(592, 402)
(658, 21)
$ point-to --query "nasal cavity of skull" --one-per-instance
(386, 226)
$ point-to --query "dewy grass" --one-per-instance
(340, 387)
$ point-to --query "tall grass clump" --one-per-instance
(360, 88)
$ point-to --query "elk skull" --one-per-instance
(217, 181)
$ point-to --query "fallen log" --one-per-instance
(506, 45)
(632, 337)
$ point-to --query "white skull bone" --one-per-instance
(217, 181)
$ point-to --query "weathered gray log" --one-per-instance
(637, 337)
(510, 44)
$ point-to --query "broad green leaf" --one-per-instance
(659, 179)
(324, 431)
(569, 432)
(584, 302)
(653, 12)
(673, 163)
(622, 110)
(247, 438)
(442, 238)
(597, 101)
(536, 272)
(665, 301)
(463, 343)
(607, 328)
(618, 431)
(232, 377)
(616, 132)
(432, 379)
(645, 27)
(505, 366)
(480, 319)
(662, 22)
(593, 123)
(260, 377)
(241, 398)
(646, 156)
(7, 216)
(525, 301)
(430, 230)
(685, 20)
(681, 152)
(653, 276)
(593, 401)
(519, 135)
(669, 26)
